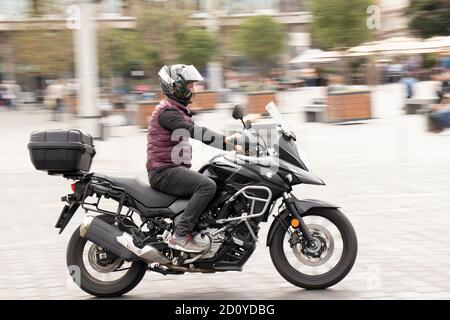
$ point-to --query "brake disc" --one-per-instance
(100, 267)
(324, 244)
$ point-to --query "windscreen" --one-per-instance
(294, 150)
(276, 114)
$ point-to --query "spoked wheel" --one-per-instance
(323, 263)
(100, 273)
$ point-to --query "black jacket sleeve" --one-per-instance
(171, 120)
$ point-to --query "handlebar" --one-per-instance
(250, 144)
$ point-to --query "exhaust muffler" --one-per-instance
(118, 242)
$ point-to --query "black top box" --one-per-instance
(61, 151)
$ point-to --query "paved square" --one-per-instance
(391, 178)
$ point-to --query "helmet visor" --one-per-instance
(190, 73)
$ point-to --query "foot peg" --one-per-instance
(180, 259)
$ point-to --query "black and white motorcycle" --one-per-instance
(311, 243)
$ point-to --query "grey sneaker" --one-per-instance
(186, 244)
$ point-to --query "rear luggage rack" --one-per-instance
(76, 175)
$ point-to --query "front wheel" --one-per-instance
(317, 266)
(98, 272)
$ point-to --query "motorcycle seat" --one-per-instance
(143, 192)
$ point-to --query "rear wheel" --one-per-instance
(319, 266)
(98, 272)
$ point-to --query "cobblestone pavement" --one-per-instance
(391, 178)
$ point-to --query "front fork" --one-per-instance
(293, 209)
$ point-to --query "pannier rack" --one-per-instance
(106, 190)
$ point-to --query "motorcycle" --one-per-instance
(311, 243)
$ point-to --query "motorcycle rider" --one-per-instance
(169, 152)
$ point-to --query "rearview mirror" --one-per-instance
(238, 112)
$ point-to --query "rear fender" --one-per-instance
(73, 203)
(66, 215)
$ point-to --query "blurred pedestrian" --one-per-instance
(438, 121)
(445, 61)
(412, 63)
(321, 79)
(3, 96)
(394, 71)
(309, 75)
(16, 90)
(54, 98)
(409, 80)
(8, 94)
(444, 91)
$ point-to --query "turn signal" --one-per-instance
(295, 223)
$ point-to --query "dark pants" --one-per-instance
(185, 183)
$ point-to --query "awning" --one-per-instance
(317, 56)
(401, 45)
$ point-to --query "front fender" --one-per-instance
(302, 206)
(307, 204)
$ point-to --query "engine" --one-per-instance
(217, 239)
(236, 233)
(223, 210)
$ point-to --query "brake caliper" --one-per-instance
(294, 239)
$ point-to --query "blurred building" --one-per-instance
(219, 16)
(224, 16)
(21, 15)
(393, 21)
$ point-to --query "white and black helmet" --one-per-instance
(174, 78)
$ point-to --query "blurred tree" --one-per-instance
(429, 17)
(148, 46)
(48, 51)
(339, 23)
(159, 23)
(44, 7)
(196, 46)
(260, 39)
(120, 51)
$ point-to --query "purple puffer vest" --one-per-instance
(163, 147)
